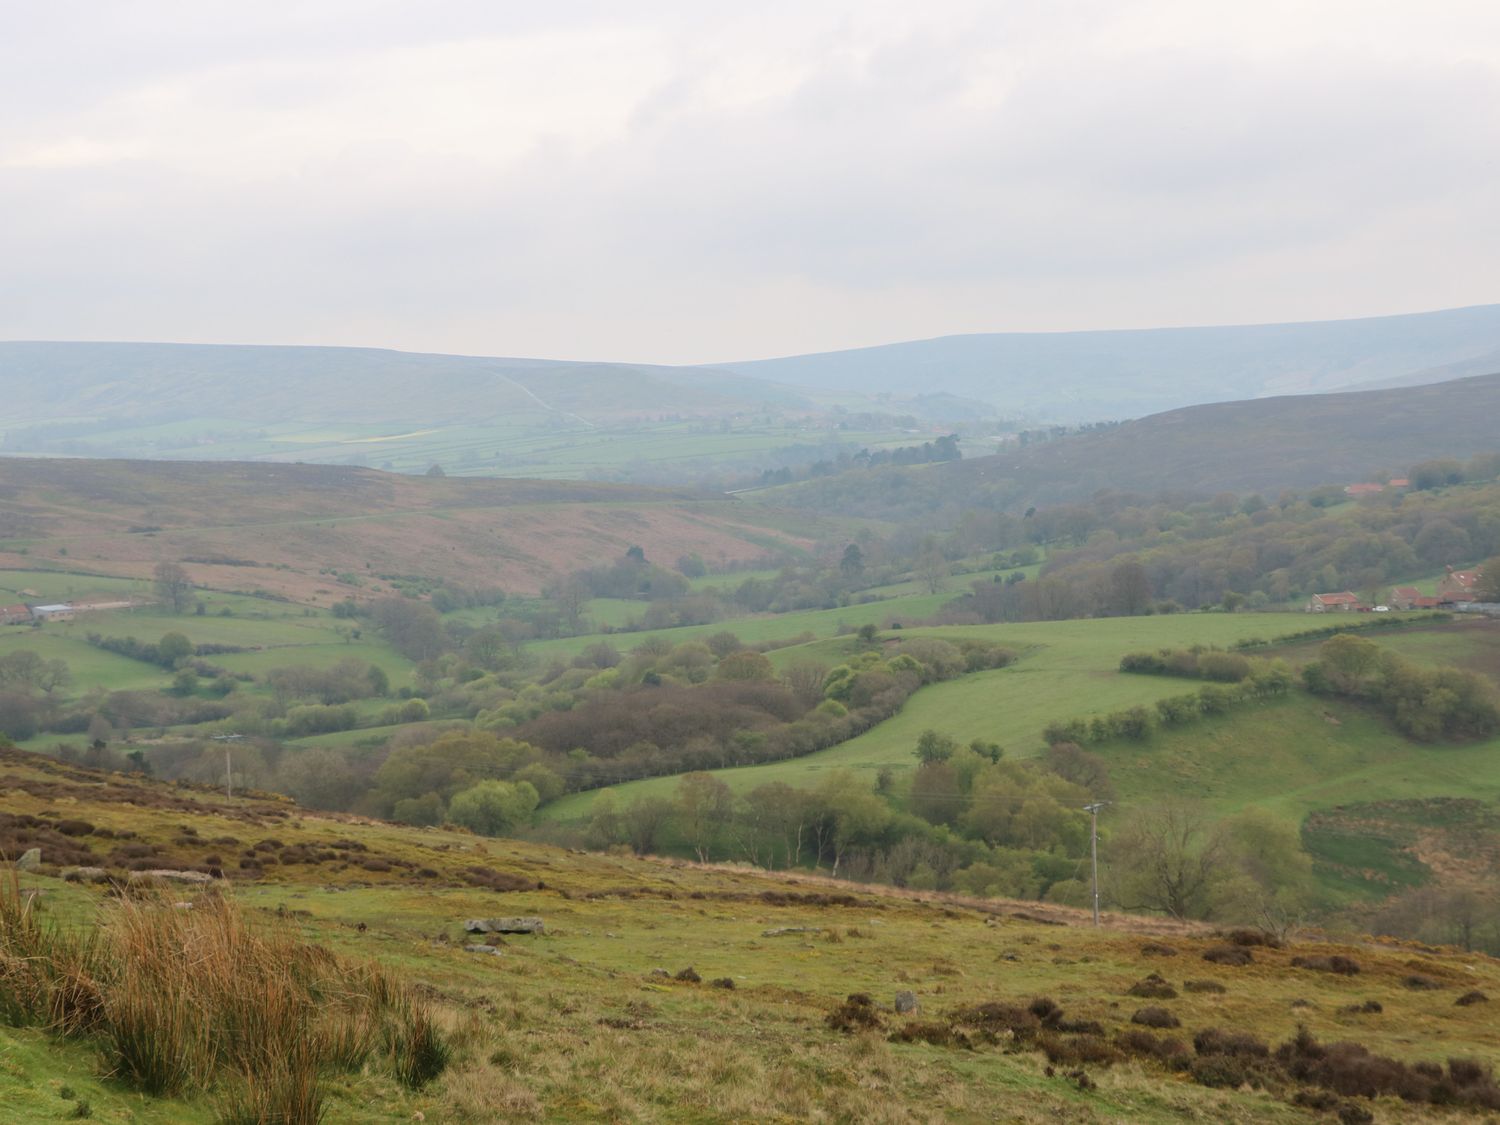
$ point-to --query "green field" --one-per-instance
(1067, 669)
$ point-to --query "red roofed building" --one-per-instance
(1459, 585)
(1404, 597)
(1332, 603)
(1400, 482)
(1363, 489)
(14, 615)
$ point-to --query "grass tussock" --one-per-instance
(181, 999)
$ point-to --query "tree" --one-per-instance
(1168, 858)
(491, 808)
(1129, 589)
(643, 820)
(934, 746)
(704, 802)
(745, 665)
(932, 569)
(1348, 659)
(1487, 589)
(172, 648)
(173, 586)
(853, 563)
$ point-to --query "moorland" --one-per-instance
(800, 749)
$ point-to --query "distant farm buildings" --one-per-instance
(1370, 488)
(63, 611)
(1459, 585)
(1343, 602)
(52, 612)
(1409, 597)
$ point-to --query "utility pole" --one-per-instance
(1093, 811)
(227, 739)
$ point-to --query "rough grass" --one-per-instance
(573, 1024)
(191, 996)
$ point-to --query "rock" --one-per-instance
(86, 875)
(782, 930)
(30, 860)
(906, 1003)
(481, 949)
(661, 974)
(504, 926)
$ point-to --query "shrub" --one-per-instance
(1344, 966)
(856, 1013)
(1163, 1048)
(180, 999)
(418, 1051)
(1229, 955)
(1217, 1041)
(1155, 1017)
(1152, 988)
(1078, 1050)
(1472, 997)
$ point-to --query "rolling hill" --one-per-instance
(1256, 445)
(1088, 376)
(293, 530)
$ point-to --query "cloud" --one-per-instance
(684, 182)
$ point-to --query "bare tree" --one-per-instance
(173, 586)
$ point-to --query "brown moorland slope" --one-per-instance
(285, 528)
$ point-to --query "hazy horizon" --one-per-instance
(671, 184)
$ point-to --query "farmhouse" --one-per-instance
(1332, 603)
(15, 615)
(1459, 585)
(52, 612)
(1363, 489)
(1409, 597)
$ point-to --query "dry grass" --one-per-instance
(194, 997)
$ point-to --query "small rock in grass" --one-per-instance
(906, 1002)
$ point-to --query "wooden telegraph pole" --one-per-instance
(1093, 811)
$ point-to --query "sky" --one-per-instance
(685, 182)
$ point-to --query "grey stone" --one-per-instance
(30, 860)
(906, 1003)
(504, 926)
(780, 931)
(481, 949)
(86, 875)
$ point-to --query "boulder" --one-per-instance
(30, 860)
(504, 926)
(86, 875)
(481, 949)
(906, 1003)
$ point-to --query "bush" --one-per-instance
(1155, 1017)
(1229, 955)
(1343, 966)
(1152, 988)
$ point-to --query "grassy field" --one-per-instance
(1067, 669)
(575, 1024)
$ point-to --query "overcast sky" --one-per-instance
(695, 181)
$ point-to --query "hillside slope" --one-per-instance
(599, 1018)
(1257, 445)
(289, 529)
(1087, 376)
(46, 380)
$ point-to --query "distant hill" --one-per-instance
(46, 381)
(1261, 444)
(296, 530)
(1088, 376)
